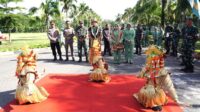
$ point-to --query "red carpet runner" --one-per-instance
(75, 94)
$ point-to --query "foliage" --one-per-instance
(148, 12)
(85, 14)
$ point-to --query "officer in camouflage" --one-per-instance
(175, 40)
(189, 34)
(81, 33)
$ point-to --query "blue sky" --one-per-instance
(107, 9)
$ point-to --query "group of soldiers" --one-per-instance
(188, 36)
(116, 40)
(120, 39)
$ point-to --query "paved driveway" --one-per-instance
(187, 85)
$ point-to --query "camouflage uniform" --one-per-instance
(188, 46)
(175, 41)
(81, 33)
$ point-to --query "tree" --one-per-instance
(127, 14)
(84, 13)
(68, 5)
(7, 19)
(145, 12)
(4, 6)
(49, 8)
(80, 10)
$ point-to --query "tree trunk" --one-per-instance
(47, 22)
(10, 39)
(163, 13)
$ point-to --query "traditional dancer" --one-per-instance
(100, 68)
(128, 36)
(117, 45)
(27, 91)
(100, 72)
(152, 95)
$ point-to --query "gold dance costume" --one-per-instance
(158, 81)
(27, 91)
(100, 67)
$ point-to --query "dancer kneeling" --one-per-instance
(100, 67)
(100, 72)
(152, 95)
(27, 91)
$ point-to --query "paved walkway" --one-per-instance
(187, 85)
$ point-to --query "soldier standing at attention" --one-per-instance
(175, 40)
(81, 33)
(68, 33)
(190, 35)
(106, 39)
(138, 38)
(168, 32)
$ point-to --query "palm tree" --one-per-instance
(119, 18)
(68, 5)
(4, 6)
(80, 10)
(127, 14)
(50, 8)
(145, 11)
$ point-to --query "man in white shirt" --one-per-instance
(54, 36)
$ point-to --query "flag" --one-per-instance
(195, 7)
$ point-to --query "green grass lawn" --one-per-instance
(34, 40)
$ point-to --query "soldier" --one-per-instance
(128, 37)
(138, 38)
(189, 33)
(81, 33)
(106, 39)
(175, 40)
(145, 39)
(68, 33)
(95, 36)
(160, 36)
(168, 33)
(54, 36)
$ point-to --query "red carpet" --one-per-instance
(75, 94)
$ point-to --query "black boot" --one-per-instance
(60, 58)
(67, 59)
(55, 58)
(80, 59)
(110, 54)
(86, 58)
(190, 69)
(73, 59)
